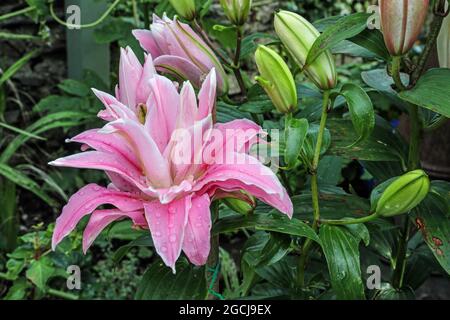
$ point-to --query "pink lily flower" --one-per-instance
(179, 51)
(149, 184)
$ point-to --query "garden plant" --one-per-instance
(244, 150)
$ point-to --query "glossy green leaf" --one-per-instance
(361, 110)
(159, 283)
(344, 28)
(432, 219)
(276, 223)
(341, 250)
(387, 292)
(373, 41)
(384, 144)
(431, 92)
(74, 87)
(294, 135)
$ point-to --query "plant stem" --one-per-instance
(88, 25)
(396, 66)
(314, 190)
(213, 258)
(62, 294)
(236, 63)
(435, 28)
(17, 13)
(205, 37)
(350, 221)
(400, 262)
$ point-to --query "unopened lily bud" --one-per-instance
(276, 79)
(298, 36)
(240, 206)
(443, 43)
(404, 194)
(185, 8)
(236, 10)
(401, 23)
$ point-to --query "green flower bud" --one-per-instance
(404, 194)
(242, 203)
(236, 10)
(298, 36)
(276, 79)
(185, 8)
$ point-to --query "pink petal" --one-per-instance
(130, 71)
(147, 42)
(114, 109)
(100, 219)
(163, 110)
(196, 243)
(180, 67)
(102, 161)
(235, 136)
(154, 164)
(85, 201)
(148, 73)
(247, 173)
(207, 95)
(110, 143)
(188, 106)
(167, 223)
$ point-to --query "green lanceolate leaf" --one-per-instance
(275, 223)
(9, 226)
(361, 110)
(294, 135)
(431, 92)
(344, 28)
(16, 67)
(373, 41)
(432, 219)
(159, 283)
(387, 292)
(25, 182)
(341, 250)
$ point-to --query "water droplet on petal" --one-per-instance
(164, 249)
(173, 238)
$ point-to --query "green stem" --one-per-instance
(314, 191)
(81, 26)
(213, 258)
(17, 13)
(415, 138)
(197, 27)
(396, 66)
(62, 294)
(435, 28)
(236, 63)
(400, 262)
(350, 221)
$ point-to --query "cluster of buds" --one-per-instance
(401, 23)
(298, 36)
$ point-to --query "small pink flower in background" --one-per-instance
(178, 50)
(139, 150)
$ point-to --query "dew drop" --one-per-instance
(157, 234)
(173, 238)
(164, 249)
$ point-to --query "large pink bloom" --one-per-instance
(178, 50)
(140, 150)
